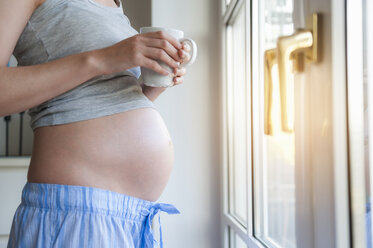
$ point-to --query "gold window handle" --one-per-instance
(298, 48)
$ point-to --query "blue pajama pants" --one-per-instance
(53, 215)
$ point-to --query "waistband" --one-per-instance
(96, 200)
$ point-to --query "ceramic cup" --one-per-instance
(154, 79)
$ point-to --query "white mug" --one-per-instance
(154, 79)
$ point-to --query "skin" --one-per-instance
(129, 152)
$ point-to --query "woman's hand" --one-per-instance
(153, 92)
(142, 50)
(185, 57)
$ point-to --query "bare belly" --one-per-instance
(130, 153)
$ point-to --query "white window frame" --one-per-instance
(356, 120)
(339, 204)
(229, 222)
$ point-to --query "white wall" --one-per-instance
(191, 112)
(139, 12)
(13, 176)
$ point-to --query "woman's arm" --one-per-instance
(27, 86)
(153, 92)
(24, 87)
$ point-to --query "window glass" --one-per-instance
(275, 193)
(235, 240)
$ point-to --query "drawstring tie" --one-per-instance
(153, 210)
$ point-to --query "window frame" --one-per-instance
(229, 222)
(355, 33)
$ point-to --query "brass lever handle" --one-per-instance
(297, 48)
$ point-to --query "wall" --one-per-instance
(13, 176)
(191, 112)
(139, 12)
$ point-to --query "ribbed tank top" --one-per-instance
(58, 28)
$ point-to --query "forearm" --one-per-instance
(152, 93)
(27, 86)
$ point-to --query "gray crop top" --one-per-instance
(58, 28)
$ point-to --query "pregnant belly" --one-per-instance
(130, 153)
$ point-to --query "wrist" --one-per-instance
(95, 61)
(152, 92)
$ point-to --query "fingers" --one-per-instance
(178, 80)
(164, 36)
(184, 53)
(166, 46)
(163, 47)
(160, 54)
(179, 75)
(153, 65)
(186, 47)
(179, 72)
(185, 57)
(179, 52)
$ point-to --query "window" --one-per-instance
(267, 182)
(288, 188)
(275, 172)
(237, 123)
